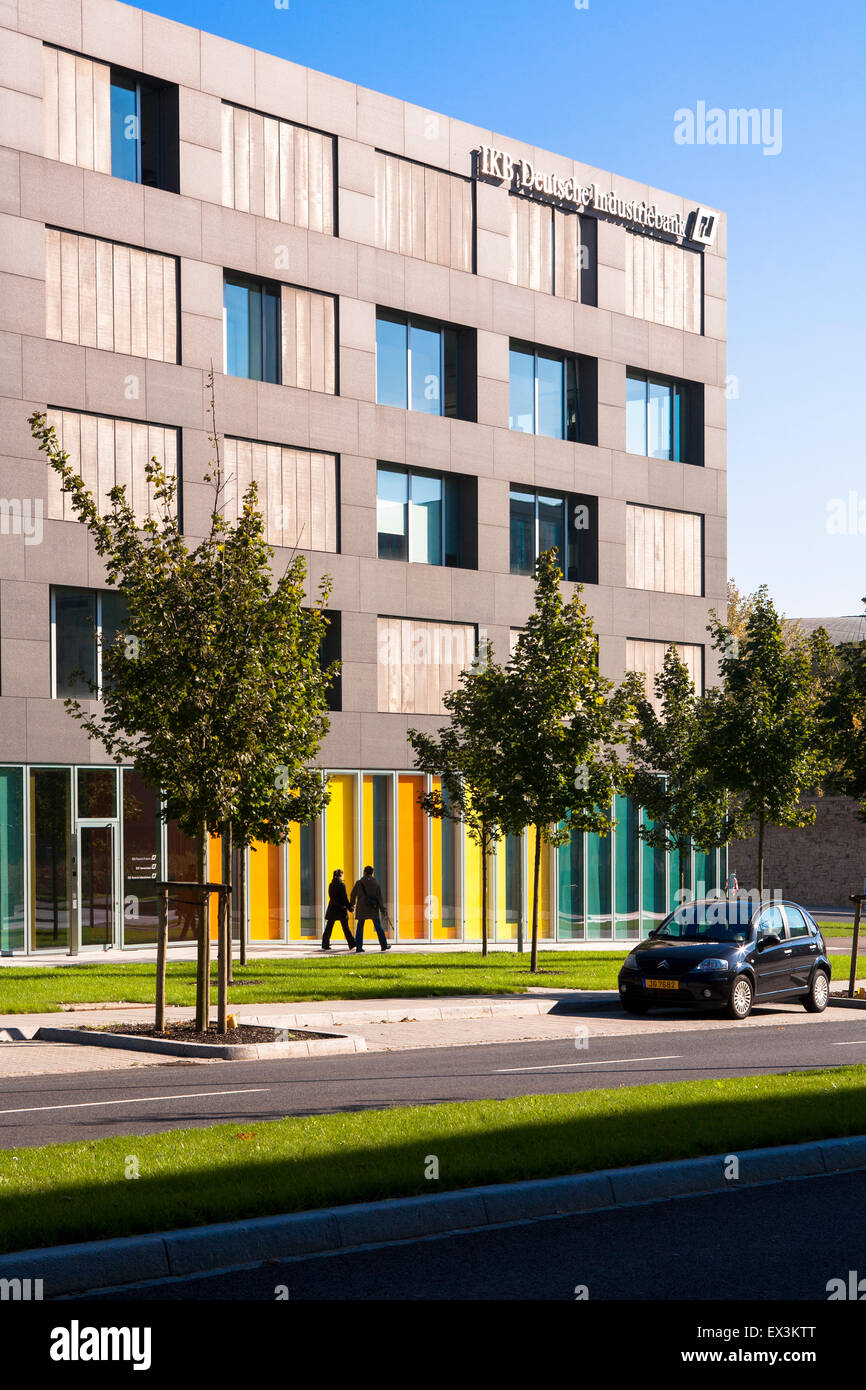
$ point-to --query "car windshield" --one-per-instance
(710, 921)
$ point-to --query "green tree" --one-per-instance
(562, 721)
(843, 715)
(466, 754)
(766, 744)
(668, 775)
(214, 690)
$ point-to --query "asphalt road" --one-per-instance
(78, 1106)
(779, 1242)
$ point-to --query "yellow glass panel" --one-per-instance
(340, 824)
(266, 895)
(295, 883)
(545, 923)
(505, 930)
(215, 875)
(472, 914)
(410, 859)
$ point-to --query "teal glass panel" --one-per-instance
(392, 363)
(706, 875)
(125, 129)
(425, 358)
(674, 877)
(12, 914)
(522, 520)
(627, 863)
(654, 898)
(598, 904)
(521, 409)
(382, 832)
(572, 923)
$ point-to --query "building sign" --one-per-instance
(523, 177)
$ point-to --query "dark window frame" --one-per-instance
(459, 491)
(241, 280)
(580, 563)
(457, 363)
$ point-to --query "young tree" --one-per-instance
(842, 677)
(764, 718)
(668, 775)
(213, 691)
(466, 754)
(561, 723)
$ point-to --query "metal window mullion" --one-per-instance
(138, 141)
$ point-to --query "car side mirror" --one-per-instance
(766, 941)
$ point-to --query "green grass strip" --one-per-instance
(188, 1177)
(43, 989)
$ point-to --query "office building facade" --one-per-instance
(437, 350)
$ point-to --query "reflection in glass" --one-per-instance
(425, 519)
(97, 792)
(551, 526)
(551, 397)
(598, 864)
(141, 861)
(627, 868)
(251, 311)
(635, 414)
(392, 362)
(571, 871)
(392, 500)
(182, 866)
(74, 641)
(51, 866)
(659, 418)
(309, 851)
(125, 128)
(96, 885)
(425, 363)
(654, 898)
(521, 409)
(522, 532)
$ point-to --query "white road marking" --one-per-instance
(598, 1062)
(139, 1100)
(852, 1042)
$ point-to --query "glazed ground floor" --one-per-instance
(81, 846)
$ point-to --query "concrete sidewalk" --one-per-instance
(389, 1025)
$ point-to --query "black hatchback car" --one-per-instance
(728, 953)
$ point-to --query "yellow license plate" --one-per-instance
(661, 984)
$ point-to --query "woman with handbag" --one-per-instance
(338, 911)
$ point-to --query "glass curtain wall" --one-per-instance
(12, 906)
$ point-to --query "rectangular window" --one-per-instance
(568, 522)
(426, 366)
(419, 661)
(663, 282)
(101, 294)
(662, 418)
(664, 550)
(543, 393)
(251, 316)
(426, 518)
(144, 130)
(84, 623)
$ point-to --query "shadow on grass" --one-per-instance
(230, 1172)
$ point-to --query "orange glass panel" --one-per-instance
(410, 859)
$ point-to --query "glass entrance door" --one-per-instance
(97, 885)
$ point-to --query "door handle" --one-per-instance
(788, 952)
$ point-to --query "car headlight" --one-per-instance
(630, 962)
(712, 963)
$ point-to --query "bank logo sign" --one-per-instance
(523, 177)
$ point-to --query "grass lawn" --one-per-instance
(42, 989)
(68, 1192)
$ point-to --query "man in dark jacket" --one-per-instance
(366, 903)
(338, 911)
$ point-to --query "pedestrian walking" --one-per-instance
(366, 903)
(338, 911)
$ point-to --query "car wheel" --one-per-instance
(815, 1001)
(634, 1006)
(740, 1003)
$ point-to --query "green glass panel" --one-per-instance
(627, 868)
(572, 924)
(654, 904)
(598, 904)
(11, 859)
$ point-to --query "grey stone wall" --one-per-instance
(818, 866)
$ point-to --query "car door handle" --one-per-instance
(788, 952)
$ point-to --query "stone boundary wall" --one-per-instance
(818, 866)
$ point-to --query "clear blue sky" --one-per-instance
(602, 84)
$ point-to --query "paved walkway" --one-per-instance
(389, 1025)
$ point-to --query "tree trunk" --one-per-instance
(533, 961)
(761, 825)
(224, 933)
(242, 895)
(230, 919)
(161, 943)
(484, 854)
(202, 991)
